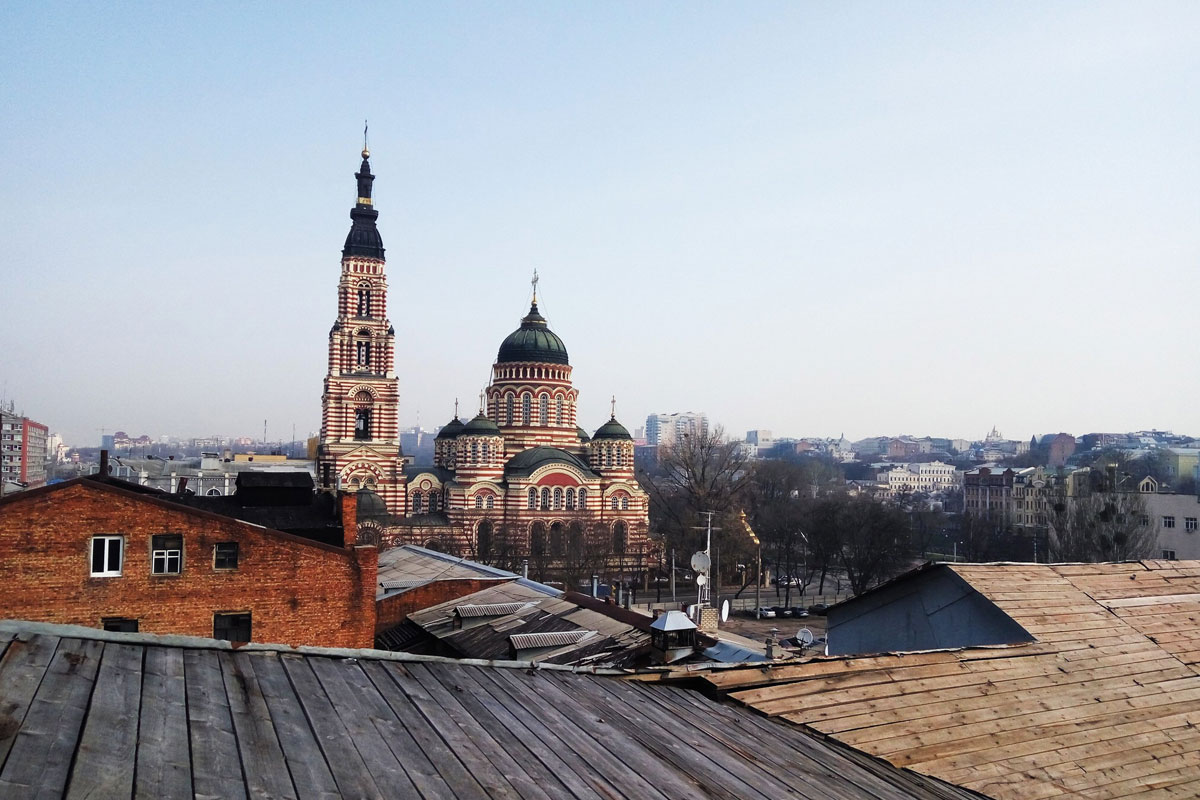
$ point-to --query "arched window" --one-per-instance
(491, 501)
(571, 499)
(545, 499)
(582, 498)
(213, 493)
(364, 302)
(362, 423)
(526, 409)
(418, 504)
(575, 540)
(559, 412)
(532, 497)
(624, 502)
(479, 501)
(557, 544)
(616, 503)
(486, 452)
(508, 410)
(474, 452)
(363, 353)
(483, 539)
(537, 539)
(607, 456)
(619, 538)
(544, 410)
(558, 499)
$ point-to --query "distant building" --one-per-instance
(667, 428)
(929, 477)
(1175, 519)
(1022, 497)
(22, 452)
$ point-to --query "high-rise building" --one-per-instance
(666, 428)
(22, 452)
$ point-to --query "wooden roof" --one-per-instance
(85, 713)
(1105, 704)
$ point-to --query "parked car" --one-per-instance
(785, 580)
(766, 613)
(781, 611)
(798, 611)
(820, 609)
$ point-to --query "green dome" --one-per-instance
(480, 425)
(526, 461)
(612, 430)
(369, 504)
(533, 341)
(583, 435)
(451, 430)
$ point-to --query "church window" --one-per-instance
(474, 452)
(571, 499)
(418, 504)
(558, 499)
(544, 410)
(624, 503)
(615, 503)
(364, 353)
(557, 545)
(608, 456)
(479, 501)
(483, 538)
(545, 499)
(364, 302)
(559, 413)
(490, 501)
(532, 497)
(486, 452)
(620, 538)
(433, 502)
(508, 410)
(362, 423)
(582, 498)
(575, 540)
(526, 409)
(537, 539)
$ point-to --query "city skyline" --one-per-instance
(859, 220)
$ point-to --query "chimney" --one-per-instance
(595, 586)
(525, 569)
(103, 463)
(349, 519)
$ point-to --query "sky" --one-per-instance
(813, 218)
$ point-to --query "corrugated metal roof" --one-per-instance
(526, 641)
(491, 609)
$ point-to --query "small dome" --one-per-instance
(583, 435)
(612, 430)
(452, 429)
(480, 425)
(533, 341)
(369, 504)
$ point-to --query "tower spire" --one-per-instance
(366, 150)
(534, 283)
(613, 407)
(364, 239)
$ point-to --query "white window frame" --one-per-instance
(165, 555)
(1189, 524)
(108, 540)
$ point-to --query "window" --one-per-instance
(559, 412)
(362, 423)
(491, 501)
(474, 452)
(1145, 520)
(557, 540)
(363, 356)
(1189, 524)
(526, 408)
(418, 504)
(616, 503)
(166, 554)
(571, 499)
(544, 410)
(232, 627)
(106, 556)
(620, 537)
(532, 497)
(624, 503)
(583, 498)
(545, 499)
(1168, 555)
(508, 410)
(119, 624)
(434, 502)
(1168, 522)
(225, 555)
(558, 499)
(364, 302)
(479, 501)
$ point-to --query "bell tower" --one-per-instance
(360, 435)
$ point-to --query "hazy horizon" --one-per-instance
(816, 219)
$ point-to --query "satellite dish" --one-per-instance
(701, 580)
(805, 637)
(724, 611)
(701, 562)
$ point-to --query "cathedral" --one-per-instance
(522, 481)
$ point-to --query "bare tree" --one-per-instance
(1101, 522)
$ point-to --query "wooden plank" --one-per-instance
(108, 745)
(39, 763)
(216, 764)
(164, 761)
(459, 780)
(310, 773)
(267, 772)
(457, 730)
(22, 668)
(370, 724)
(347, 766)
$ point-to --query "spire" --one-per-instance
(364, 238)
(534, 283)
(481, 402)
(456, 408)
(613, 412)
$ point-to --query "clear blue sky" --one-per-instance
(875, 218)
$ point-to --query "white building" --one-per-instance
(666, 428)
(929, 477)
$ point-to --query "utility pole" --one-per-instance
(674, 599)
(707, 551)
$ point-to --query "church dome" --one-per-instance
(452, 429)
(369, 504)
(481, 425)
(533, 341)
(611, 430)
(583, 435)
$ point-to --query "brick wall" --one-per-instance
(298, 592)
(393, 609)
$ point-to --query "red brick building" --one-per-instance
(520, 480)
(91, 552)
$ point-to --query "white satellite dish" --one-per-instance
(701, 580)
(724, 611)
(805, 637)
(701, 562)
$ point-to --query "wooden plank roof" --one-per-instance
(1105, 704)
(96, 714)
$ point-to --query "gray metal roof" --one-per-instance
(94, 714)
(526, 641)
(491, 609)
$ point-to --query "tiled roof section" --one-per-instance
(96, 714)
(1105, 704)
